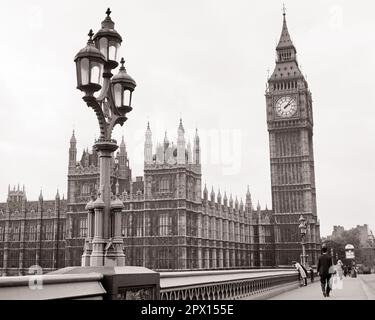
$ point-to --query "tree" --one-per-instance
(338, 243)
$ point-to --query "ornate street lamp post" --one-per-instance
(94, 63)
(302, 228)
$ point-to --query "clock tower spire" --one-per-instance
(290, 127)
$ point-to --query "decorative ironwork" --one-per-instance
(136, 293)
(228, 290)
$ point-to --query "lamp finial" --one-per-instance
(122, 61)
(108, 12)
(90, 34)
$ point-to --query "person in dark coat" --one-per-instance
(311, 274)
(324, 269)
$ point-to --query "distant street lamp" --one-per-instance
(94, 65)
(303, 229)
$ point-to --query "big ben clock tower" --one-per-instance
(290, 127)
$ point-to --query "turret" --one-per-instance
(23, 200)
(181, 144)
(205, 193)
(197, 150)
(40, 201)
(57, 197)
(258, 210)
(236, 203)
(85, 160)
(225, 199)
(57, 200)
(212, 195)
(258, 206)
(72, 153)
(219, 197)
(248, 202)
(230, 201)
(148, 145)
(123, 159)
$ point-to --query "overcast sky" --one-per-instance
(205, 61)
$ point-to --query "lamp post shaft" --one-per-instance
(105, 158)
(103, 221)
(303, 260)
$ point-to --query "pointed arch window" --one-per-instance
(83, 227)
(165, 224)
(164, 185)
(129, 226)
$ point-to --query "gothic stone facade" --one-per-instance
(172, 227)
(32, 233)
(167, 224)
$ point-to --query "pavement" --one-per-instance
(360, 288)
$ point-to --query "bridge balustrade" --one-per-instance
(225, 284)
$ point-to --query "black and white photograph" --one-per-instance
(177, 151)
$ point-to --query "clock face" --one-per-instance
(286, 107)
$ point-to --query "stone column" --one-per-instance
(22, 247)
(207, 258)
(182, 258)
(200, 264)
(98, 242)
(213, 258)
(6, 245)
(199, 225)
(227, 264)
(221, 262)
(238, 261)
(90, 233)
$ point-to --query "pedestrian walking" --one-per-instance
(324, 269)
(339, 269)
(311, 274)
(302, 273)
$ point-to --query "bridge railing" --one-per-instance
(131, 283)
(226, 284)
(46, 287)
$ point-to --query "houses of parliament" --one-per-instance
(170, 220)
